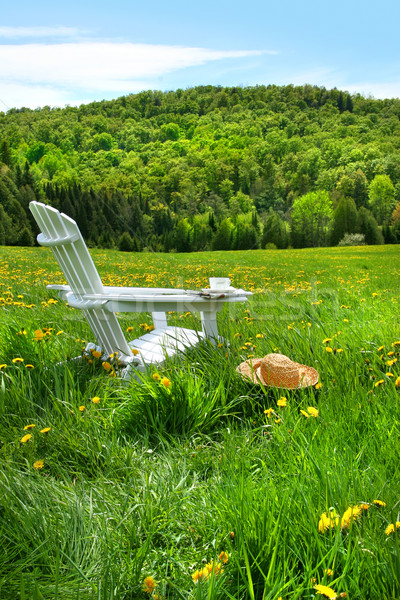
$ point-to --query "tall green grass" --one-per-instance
(160, 477)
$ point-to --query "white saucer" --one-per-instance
(215, 291)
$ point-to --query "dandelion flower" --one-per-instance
(259, 336)
(156, 376)
(81, 408)
(350, 515)
(96, 400)
(380, 382)
(106, 366)
(17, 360)
(364, 506)
(282, 401)
(305, 413)
(396, 383)
(313, 412)
(318, 386)
(135, 352)
(166, 382)
(326, 340)
(129, 329)
(325, 591)
(38, 464)
(328, 572)
(96, 354)
(328, 349)
(31, 426)
(59, 332)
(29, 367)
(45, 430)
(392, 527)
(380, 503)
(223, 557)
(26, 438)
(149, 584)
(328, 521)
(38, 335)
(4, 366)
(268, 412)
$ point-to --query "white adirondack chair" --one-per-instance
(99, 303)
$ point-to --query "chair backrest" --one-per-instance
(62, 235)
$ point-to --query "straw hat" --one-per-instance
(278, 370)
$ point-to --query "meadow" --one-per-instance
(194, 484)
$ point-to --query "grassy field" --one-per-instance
(195, 484)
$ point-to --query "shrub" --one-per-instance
(352, 239)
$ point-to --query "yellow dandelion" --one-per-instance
(31, 426)
(325, 591)
(328, 349)
(135, 352)
(328, 572)
(106, 366)
(38, 335)
(129, 329)
(277, 421)
(166, 382)
(81, 408)
(326, 340)
(26, 438)
(29, 367)
(96, 400)
(199, 575)
(328, 521)
(17, 360)
(377, 383)
(149, 584)
(268, 412)
(38, 464)
(305, 413)
(4, 366)
(380, 503)
(349, 516)
(259, 336)
(156, 376)
(223, 557)
(318, 385)
(380, 348)
(313, 412)
(59, 332)
(96, 354)
(397, 382)
(45, 429)
(364, 506)
(282, 401)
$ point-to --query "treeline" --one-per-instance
(208, 168)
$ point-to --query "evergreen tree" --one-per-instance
(369, 227)
(344, 220)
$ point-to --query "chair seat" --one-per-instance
(155, 346)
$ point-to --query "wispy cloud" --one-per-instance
(87, 69)
(38, 32)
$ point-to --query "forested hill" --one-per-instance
(208, 168)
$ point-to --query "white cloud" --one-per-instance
(81, 69)
(38, 32)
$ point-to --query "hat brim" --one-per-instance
(249, 370)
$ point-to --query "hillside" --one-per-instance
(207, 168)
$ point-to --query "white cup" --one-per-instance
(219, 283)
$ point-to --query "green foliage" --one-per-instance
(311, 217)
(382, 198)
(344, 219)
(146, 162)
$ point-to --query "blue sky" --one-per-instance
(76, 52)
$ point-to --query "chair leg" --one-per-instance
(159, 320)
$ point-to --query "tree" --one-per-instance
(311, 216)
(344, 220)
(369, 227)
(382, 198)
(125, 243)
(222, 239)
(274, 231)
